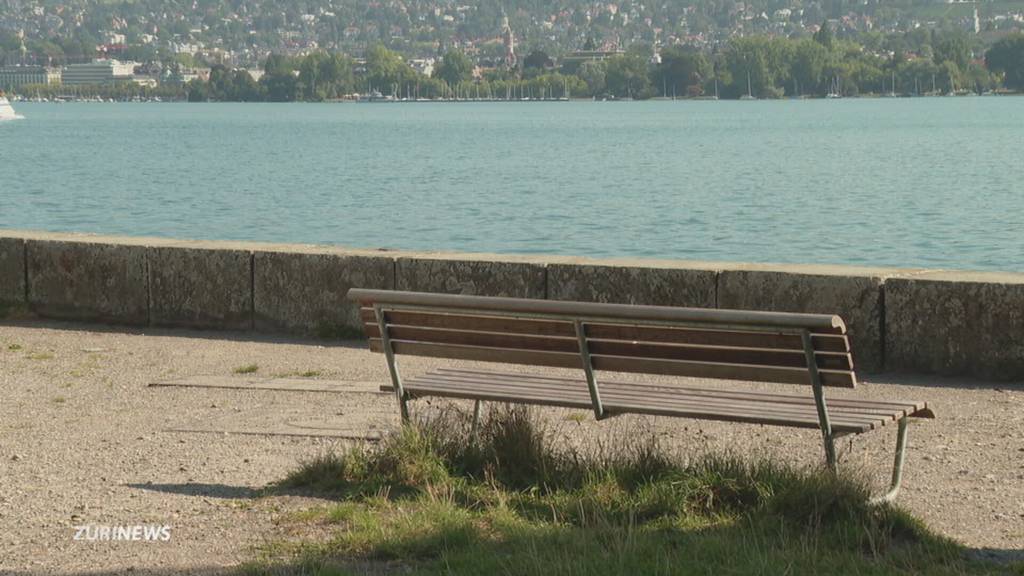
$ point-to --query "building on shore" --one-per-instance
(185, 75)
(572, 61)
(98, 72)
(12, 77)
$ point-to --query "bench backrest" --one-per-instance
(696, 342)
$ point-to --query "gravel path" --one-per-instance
(84, 441)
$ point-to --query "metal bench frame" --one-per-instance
(814, 378)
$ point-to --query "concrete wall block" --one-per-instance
(477, 277)
(304, 293)
(12, 272)
(201, 287)
(956, 324)
(88, 281)
(855, 298)
(632, 285)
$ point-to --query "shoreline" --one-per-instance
(59, 100)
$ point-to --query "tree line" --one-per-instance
(757, 66)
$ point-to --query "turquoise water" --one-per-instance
(930, 182)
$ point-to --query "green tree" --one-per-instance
(592, 72)
(454, 68)
(759, 60)
(626, 76)
(536, 62)
(824, 35)
(281, 87)
(245, 89)
(323, 76)
(386, 70)
(277, 64)
(198, 91)
(950, 48)
(682, 71)
(1007, 58)
(808, 64)
(978, 79)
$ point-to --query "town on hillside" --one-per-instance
(316, 50)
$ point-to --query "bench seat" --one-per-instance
(847, 415)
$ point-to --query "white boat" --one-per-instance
(6, 111)
(376, 96)
(835, 90)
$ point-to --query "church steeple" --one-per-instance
(509, 40)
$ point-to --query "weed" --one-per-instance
(247, 369)
(431, 499)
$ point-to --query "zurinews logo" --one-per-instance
(139, 533)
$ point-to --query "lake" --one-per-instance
(926, 182)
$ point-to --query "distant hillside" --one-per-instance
(243, 31)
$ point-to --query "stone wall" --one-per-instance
(12, 273)
(955, 323)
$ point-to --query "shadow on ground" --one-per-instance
(201, 489)
(137, 571)
(356, 340)
(228, 492)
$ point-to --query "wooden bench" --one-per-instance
(694, 342)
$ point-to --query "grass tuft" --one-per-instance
(516, 499)
(247, 369)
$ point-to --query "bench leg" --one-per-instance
(830, 451)
(897, 465)
(477, 408)
(828, 437)
(389, 355)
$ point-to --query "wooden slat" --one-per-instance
(631, 395)
(769, 357)
(822, 342)
(720, 370)
(819, 323)
(482, 323)
(489, 339)
(367, 315)
(710, 337)
(483, 354)
(631, 332)
(619, 406)
(661, 395)
(762, 356)
(893, 409)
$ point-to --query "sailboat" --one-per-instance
(6, 110)
(749, 95)
(834, 90)
(892, 87)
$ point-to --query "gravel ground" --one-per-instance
(84, 441)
